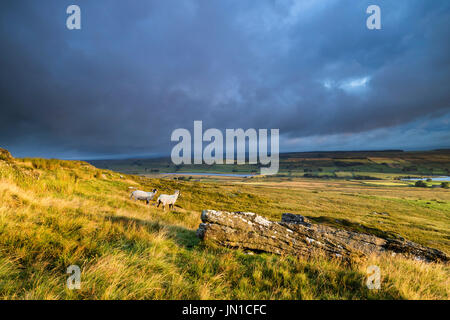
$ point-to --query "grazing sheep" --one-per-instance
(165, 199)
(142, 195)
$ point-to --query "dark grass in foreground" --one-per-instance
(57, 213)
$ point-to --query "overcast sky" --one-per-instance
(137, 70)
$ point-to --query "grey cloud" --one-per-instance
(139, 69)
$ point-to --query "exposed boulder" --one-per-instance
(379, 213)
(5, 155)
(296, 235)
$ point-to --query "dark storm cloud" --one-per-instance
(139, 69)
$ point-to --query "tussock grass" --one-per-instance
(57, 213)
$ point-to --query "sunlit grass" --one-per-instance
(57, 213)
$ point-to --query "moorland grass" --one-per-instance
(57, 213)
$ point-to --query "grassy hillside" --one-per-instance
(57, 213)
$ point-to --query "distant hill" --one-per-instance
(56, 213)
(436, 162)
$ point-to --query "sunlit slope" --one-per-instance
(58, 213)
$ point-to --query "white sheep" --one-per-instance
(142, 195)
(165, 199)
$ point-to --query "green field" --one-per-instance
(57, 213)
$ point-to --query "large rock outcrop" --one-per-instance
(5, 155)
(297, 235)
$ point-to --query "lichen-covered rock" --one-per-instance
(5, 155)
(296, 235)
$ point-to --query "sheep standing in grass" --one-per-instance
(142, 195)
(165, 199)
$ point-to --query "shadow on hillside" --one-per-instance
(350, 284)
(182, 236)
(335, 280)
